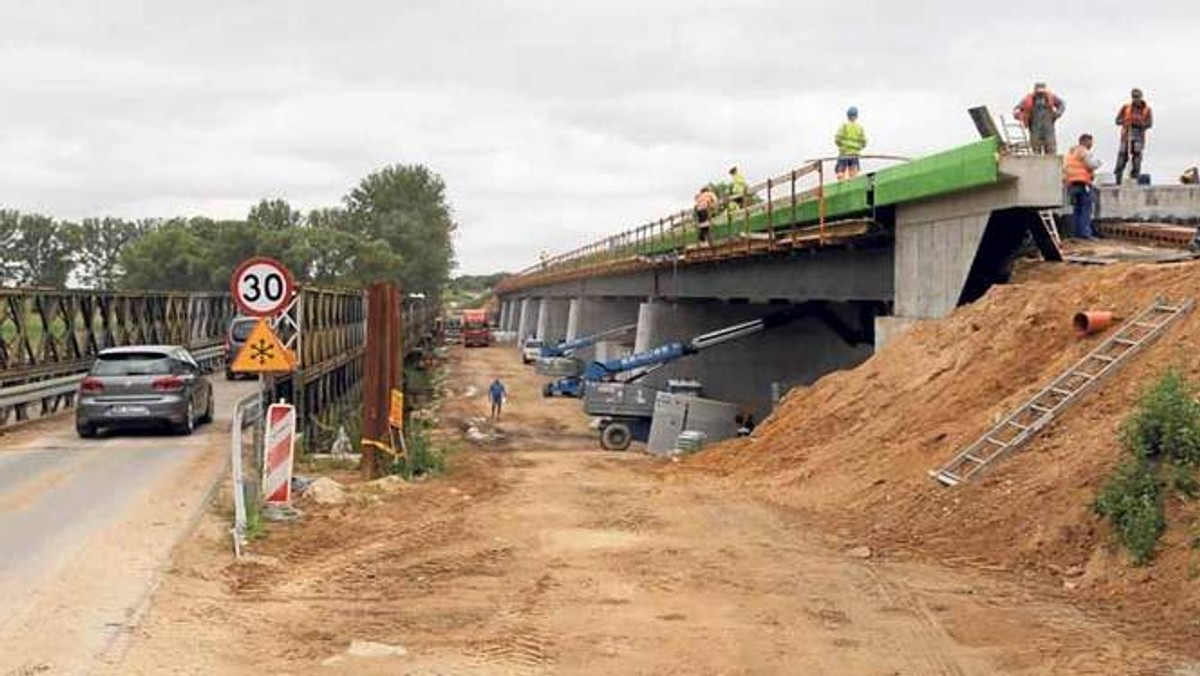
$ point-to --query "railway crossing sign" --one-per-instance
(262, 287)
(263, 352)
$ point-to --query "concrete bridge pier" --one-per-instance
(829, 336)
(505, 309)
(951, 249)
(526, 319)
(552, 319)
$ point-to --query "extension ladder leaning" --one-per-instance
(1028, 419)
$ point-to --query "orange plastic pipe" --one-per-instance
(1092, 321)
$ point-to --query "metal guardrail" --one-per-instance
(247, 414)
(57, 393)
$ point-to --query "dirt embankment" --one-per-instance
(854, 449)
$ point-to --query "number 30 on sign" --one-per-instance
(262, 287)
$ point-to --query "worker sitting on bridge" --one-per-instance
(706, 204)
(1134, 118)
(737, 188)
(1038, 111)
(850, 141)
(1079, 172)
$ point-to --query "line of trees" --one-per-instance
(395, 224)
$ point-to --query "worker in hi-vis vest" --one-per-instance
(737, 188)
(1134, 118)
(850, 141)
(1079, 173)
(1038, 111)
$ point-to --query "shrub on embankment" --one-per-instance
(1162, 440)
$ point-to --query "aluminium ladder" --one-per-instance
(1028, 419)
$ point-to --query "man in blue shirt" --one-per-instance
(496, 393)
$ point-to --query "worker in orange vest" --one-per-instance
(1038, 111)
(706, 206)
(1134, 118)
(1079, 173)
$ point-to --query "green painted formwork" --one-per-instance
(965, 167)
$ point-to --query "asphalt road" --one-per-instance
(87, 528)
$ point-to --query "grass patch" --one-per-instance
(423, 456)
(1162, 441)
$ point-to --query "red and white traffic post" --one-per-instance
(280, 447)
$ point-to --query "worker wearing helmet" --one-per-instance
(737, 187)
(850, 141)
(1038, 111)
(1134, 118)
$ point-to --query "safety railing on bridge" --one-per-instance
(799, 208)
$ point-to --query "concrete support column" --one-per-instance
(552, 319)
(523, 325)
(503, 322)
(573, 318)
(647, 331)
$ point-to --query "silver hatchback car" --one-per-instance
(143, 385)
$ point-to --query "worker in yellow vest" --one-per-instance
(850, 141)
(1079, 173)
(737, 188)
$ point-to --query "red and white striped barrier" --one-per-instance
(280, 443)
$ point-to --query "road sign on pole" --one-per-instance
(263, 352)
(262, 286)
(280, 444)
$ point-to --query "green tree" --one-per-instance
(38, 251)
(405, 206)
(101, 241)
(174, 257)
(275, 215)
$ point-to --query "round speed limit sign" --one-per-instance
(262, 287)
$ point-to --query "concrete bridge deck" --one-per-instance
(880, 251)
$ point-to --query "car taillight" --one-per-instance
(168, 384)
(91, 385)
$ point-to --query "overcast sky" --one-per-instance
(553, 123)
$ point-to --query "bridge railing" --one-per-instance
(797, 197)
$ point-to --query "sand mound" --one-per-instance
(856, 447)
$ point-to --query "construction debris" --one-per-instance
(325, 491)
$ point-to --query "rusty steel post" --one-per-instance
(381, 362)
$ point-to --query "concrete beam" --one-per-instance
(1164, 203)
(829, 274)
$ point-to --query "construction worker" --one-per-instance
(1079, 173)
(1134, 118)
(496, 394)
(737, 188)
(1038, 111)
(850, 141)
(706, 204)
(1190, 176)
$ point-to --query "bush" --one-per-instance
(1132, 500)
(1166, 423)
(422, 457)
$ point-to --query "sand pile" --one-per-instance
(855, 448)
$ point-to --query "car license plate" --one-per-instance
(130, 410)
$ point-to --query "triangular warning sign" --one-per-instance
(263, 353)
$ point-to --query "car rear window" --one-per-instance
(533, 343)
(241, 330)
(132, 364)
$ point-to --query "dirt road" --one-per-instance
(87, 527)
(539, 554)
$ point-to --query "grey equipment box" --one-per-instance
(619, 399)
(676, 413)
